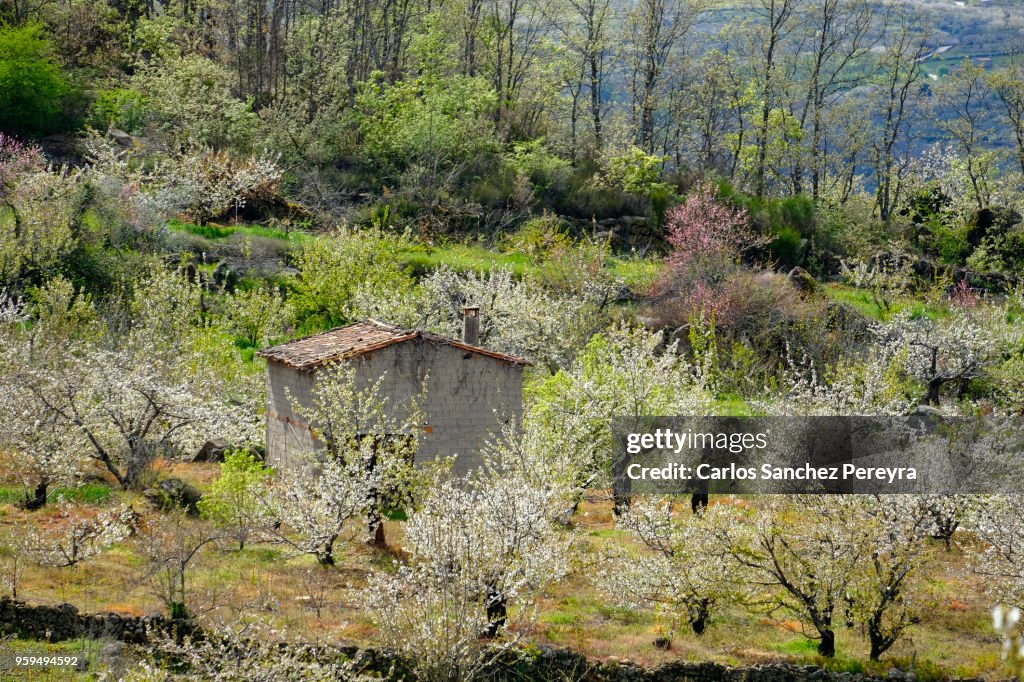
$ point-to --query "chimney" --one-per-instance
(471, 325)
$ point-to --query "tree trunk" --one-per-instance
(699, 617)
(827, 645)
(38, 499)
(377, 537)
(497, 612)
(325, 557)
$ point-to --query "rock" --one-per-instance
(171, 493)
(632, 221)
(212, 451)
(222, 274)
(802, 280)
(926, 411)
(62, 148)
(120, 137)
(995, 220)
(663, 643)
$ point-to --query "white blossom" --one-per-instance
(72, 536)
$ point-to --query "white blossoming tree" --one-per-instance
(685, 572)
(476, 548)
(998, 522)
(163, 386)
(518, 316)
(627, 372)
(886, 592)
(801, 558)
(72, 536)
(241, 652)
(365, 465)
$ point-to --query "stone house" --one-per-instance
(470, 391)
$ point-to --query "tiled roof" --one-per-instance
(359, 338)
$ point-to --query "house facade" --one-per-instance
(471, 392)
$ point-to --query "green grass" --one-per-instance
(865, 303)
(463, 258)
(90, 654)
(639, 274)
(731, 406)
(90, 493)
(215, 232)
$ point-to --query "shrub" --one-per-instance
(787, 248)
(232, 503)
(539, 238)
(641, 174)
(121, 108)
(190, 99)
(544, 169)
(705, 233)
(337, 267)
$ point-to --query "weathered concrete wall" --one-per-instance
(287, 432)
(469, 397)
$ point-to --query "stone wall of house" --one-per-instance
(469, 396)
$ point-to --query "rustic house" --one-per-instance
(470, 391)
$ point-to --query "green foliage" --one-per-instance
(31, 84)
(948, 241)
(848, 230)
(257, 315)
(231, 503)
(539, 238)
(642, 174)
(121, 108)
(336, 267)
(424, 120)
(190, 99)
(533, 160)
(89, 493)
(37, 231)
(787, 247)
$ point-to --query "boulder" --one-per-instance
(172, 493)
(212, 451)
(120, 138)
(223, 275)
(802, 280)
(995, 220)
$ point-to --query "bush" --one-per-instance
(120, 108)
(544, 169)
(539, 237)
(32, 87)
(787, 248)
(231, 503)
(190, 99)
(336, 267)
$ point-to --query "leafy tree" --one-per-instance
(340, 268)
(232, 503)
(31, 83)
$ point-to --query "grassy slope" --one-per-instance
(636, 273)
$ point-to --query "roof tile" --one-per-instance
(359, 338)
